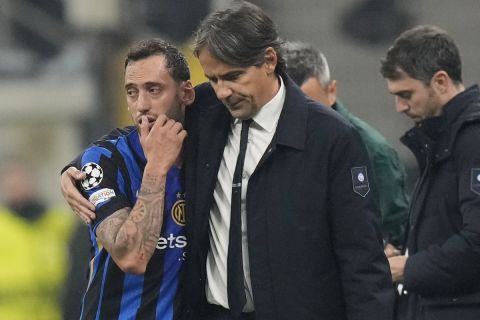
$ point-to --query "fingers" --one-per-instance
(74, 174)
(391, 251)
(84, 214)
(83, 208)
(182, 134)
(144, 124)
(168, 124)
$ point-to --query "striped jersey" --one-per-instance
(114, 170)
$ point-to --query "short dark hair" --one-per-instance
(238, 36)
(304, 61)
(176, 62)
(420, 52)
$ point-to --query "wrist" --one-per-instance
(156, 168)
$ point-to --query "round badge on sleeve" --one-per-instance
(94, 175)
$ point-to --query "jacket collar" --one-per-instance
(442, 130)
(291, 129)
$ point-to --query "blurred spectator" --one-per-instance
(33, 249)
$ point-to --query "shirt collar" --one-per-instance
(267, 116)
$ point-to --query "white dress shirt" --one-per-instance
(260, 135)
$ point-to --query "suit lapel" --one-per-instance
(214, 127)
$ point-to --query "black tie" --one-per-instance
(235, 286)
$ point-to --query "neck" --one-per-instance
(272, 88)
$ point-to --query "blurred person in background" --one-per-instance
(33, 247)
(438, 272)
(309, 69)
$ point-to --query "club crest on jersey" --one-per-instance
(360, 181)
(475, 181)
(178, 210)
(94, 175)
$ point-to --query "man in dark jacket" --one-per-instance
(438, 274)
(301, 217)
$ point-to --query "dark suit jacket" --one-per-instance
(315, 246)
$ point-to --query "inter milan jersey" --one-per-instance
(114, 171)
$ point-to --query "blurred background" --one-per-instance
(61, 65)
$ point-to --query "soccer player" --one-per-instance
(133, 180)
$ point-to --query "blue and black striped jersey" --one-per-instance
(114, 171)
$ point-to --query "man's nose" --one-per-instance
(222, 90)
(143, 102)
(400, 105)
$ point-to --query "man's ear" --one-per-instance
(188, 93)
(271, 60)
(440, 82)
(332, 92)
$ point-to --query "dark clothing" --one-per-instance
(389, 176)
(442, 273)
(214, 312)
(314, 241)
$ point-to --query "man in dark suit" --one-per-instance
(295, 235)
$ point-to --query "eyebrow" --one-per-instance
(146, 84)
(402, 93)
(228, 74)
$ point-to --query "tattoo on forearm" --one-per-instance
(137, 230)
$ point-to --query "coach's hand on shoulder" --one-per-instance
(162, 142)
(83, 208)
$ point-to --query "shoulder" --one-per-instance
(468, 136)
(317, 117)
(327, 122)
(375, 142)
(204, 96)
(467, 128)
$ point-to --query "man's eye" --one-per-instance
(154, 90)
(131, 92)
(232, 77)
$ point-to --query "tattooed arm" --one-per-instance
(131, 236)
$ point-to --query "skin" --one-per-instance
(326, 95)
(420, 101)
(156, 103)
(244, 91)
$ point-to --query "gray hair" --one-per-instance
(304, 61)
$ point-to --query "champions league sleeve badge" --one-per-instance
(94, 175)
(475, 181)
(360, 181)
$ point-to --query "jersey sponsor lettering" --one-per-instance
(171, 242)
